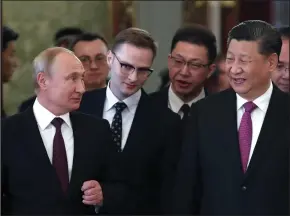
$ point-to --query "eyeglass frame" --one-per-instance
(124, 64)
(89, 60)
(188, 63)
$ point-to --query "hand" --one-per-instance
(93, 194)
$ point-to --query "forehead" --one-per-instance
(191, 51)
(90, 47)
(247, 48)
(140, 57)
(284, 55)
(66, 64)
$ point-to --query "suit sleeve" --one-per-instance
(186, 192)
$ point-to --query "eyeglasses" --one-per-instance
(282, 68)
(87, 61)
(180, 63)
(127, 69)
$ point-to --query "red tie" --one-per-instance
(245, 134)
(59, 159)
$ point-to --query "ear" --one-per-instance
(42, 81)
(212, 69)
(109, 58)
(273, 60)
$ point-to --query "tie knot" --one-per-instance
(250, 106)
(57, 122)
(185, 109)
(120, 106)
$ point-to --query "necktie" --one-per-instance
(59, 158)
(185, 110)
(245, 134)
(116, 126)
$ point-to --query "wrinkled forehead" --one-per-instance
(66, 63)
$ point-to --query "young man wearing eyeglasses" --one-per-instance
(281, 75)
(145, 135)
(190, 63)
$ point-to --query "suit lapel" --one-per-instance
(273, 118)
(36, 145)
(231, 133)
(164, 97)
(139, 124)
(77, 157)
(36, 148)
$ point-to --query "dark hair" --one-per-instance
(88, 37)
(136, 37)
(66, 35)
(199, 35)
(285, 32)
(8, 35)
(256, 30)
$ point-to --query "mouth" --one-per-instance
(76, 99)
(130, 86)
(183, 84)
(238, 81)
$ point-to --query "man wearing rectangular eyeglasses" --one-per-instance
(190, 63)
(144, 134)
(281, 75)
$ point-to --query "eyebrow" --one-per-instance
(193, 59)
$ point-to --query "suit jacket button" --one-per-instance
(244, 188)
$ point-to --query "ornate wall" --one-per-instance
(37, 21)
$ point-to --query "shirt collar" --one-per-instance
(176, 103)
(44, 117)
(261, 102)
(131, 101)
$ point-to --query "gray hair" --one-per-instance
(44, 61)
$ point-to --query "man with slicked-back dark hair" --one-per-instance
(235, 156)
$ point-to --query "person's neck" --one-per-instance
(188, 97)
(49, 106)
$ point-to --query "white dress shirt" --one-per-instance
(175, 103)
(257, 115)
(127, 114)
(47, 132)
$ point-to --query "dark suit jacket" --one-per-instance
(149, 154)
(29, 181)
(210, 179)
(160, 98)
(26, 104)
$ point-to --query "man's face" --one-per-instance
(188, 78)
(281, 75)
(130, 68)
(93, 56)
(249, 71)
(64, 86)
(9, 62)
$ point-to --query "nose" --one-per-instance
(286, 74)
(133, 76)
(80, 88)
(94, 65)
(184, 70)
(233, 68)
